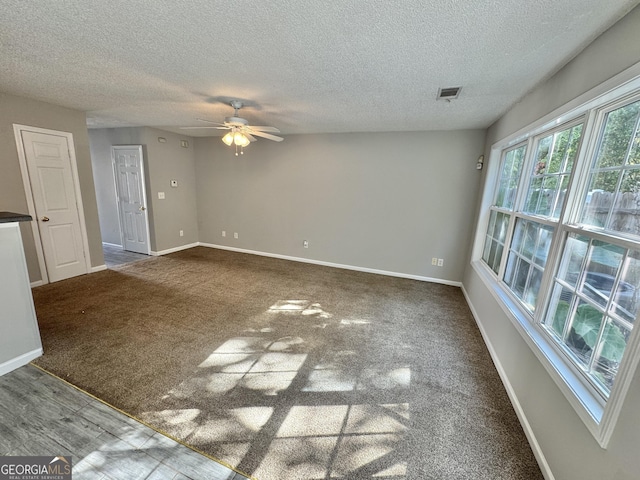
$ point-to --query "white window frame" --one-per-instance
(599, 415)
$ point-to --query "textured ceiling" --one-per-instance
(303, 66)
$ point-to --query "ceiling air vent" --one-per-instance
(448, 93)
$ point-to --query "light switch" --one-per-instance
(161, 195)
(174, 183)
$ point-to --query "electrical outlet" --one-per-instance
(160, 195)
(224, 234)
(434, 261)
(235, 234)
(440, 262)
(305, 244)
(182, 233)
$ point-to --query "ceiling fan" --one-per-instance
(240, 134)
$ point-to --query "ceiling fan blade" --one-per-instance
(250, 137)
(209, 121)
(264, 128)
(266, 135)
(200, 128)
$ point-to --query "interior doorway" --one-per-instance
(128, 168)
(52, 189)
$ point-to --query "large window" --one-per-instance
(563, 237)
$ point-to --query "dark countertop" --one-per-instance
(7, 217)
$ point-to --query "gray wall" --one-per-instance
(387, 201)
(163, 162)
(33, 113)
(100, 142)
(569, 448)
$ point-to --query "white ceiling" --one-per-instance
(304, 66)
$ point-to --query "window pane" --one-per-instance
(562, 300)
(487, 250)
(530, 238)
(526, 260)
(494, 241)
(500, 227)
(495, 265)
(613, 197)
(603, 263)
(620, 127)
(583, 335)
(530, 296)
(594, 304)
(575, 252)
(602, 188)
(491, 259)
(555, 156)
(509, 177)
(612, 346)
(564, 183)
(542, 248)
(520, 279)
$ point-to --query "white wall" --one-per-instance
(386, 201)
(571, 451)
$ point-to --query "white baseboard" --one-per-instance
(19, 361)
(174, 249)
(335, 265)
(99, 268)
(112, 244)
(533, 442)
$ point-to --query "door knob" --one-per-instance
(45, 219)
(142, 209)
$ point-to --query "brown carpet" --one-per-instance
(288, 370)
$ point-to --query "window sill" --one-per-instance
(588, 405)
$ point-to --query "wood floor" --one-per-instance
(114, 255)
(41, 415)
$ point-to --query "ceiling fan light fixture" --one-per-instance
(228, 139)
(240, 139)
(240, 133)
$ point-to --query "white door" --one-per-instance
(132, 199)
(49, 166)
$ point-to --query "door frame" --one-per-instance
(26, 180)
(143, 176)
